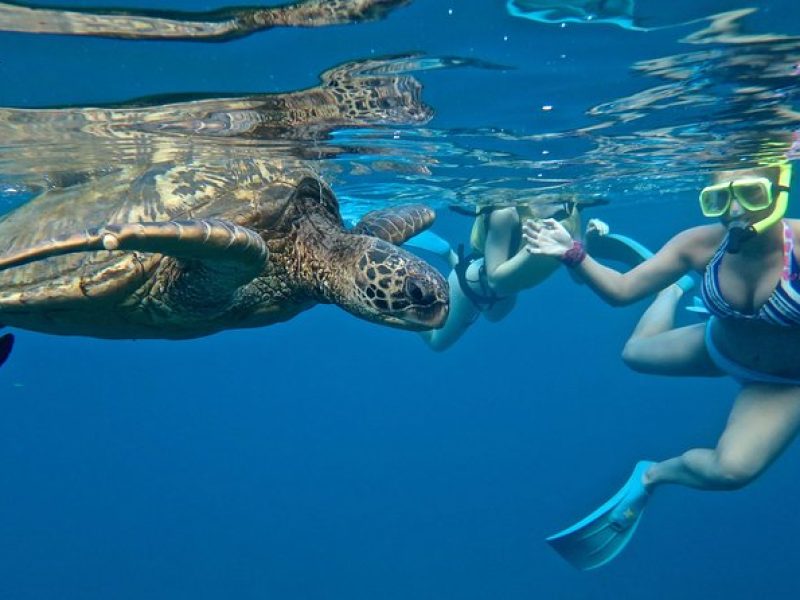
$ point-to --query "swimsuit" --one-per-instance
(742, 374)
(484, 299)
(782, 309)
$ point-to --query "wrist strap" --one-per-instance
(575, 255)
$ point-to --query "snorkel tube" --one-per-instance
(739, 235)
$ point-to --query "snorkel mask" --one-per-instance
(753, 194)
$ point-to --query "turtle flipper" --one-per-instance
(223, 246)
(6, 345)
(396, 224)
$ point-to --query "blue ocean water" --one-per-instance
(330, 458)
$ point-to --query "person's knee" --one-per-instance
(630, 356)
(634, 357)
(439, 343)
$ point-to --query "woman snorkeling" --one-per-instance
(488, 280)
(750, 288)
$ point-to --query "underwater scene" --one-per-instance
(399, 299)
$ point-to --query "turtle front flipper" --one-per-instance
(6, 345)
(234, 254)
(396, 224)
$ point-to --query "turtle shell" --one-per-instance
(254, 193)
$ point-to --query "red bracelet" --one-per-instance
(575, 255)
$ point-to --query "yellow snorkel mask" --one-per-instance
(752, 194)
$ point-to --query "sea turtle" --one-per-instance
(359, 94)
(223, 23)
(180, 251)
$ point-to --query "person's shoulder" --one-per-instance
(795, 225)
(702, 235)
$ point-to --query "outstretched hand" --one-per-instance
(546, 236)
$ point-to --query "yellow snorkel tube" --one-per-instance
(781, 200)
(779, 206)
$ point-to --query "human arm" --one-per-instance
(677, 257)
(509, 273)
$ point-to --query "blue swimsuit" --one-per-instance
(782, 308)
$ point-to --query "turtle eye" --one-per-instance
(418, 293)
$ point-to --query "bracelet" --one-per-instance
(575, 255)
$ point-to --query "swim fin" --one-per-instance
(621, 248)
(600, 537)
(431, 242)
(698, 306)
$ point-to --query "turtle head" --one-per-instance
(367, 276)
(391, 286)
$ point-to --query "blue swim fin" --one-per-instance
(427, 240)
(621, 248)
(698, 306)
(431, 242)
(600, 537)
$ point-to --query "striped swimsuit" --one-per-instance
(781, 309)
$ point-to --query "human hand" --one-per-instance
(547, 237)
(596, 227)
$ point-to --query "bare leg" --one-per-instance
(764, 419)
(462, 314)
(501, 309)
(660, 315)
(656, 348)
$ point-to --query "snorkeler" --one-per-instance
(487, 280)
(753, 335)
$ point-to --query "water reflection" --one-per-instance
(213, 25)
(47, 147)
(614, 12)
(726, 105)
(727, 100)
